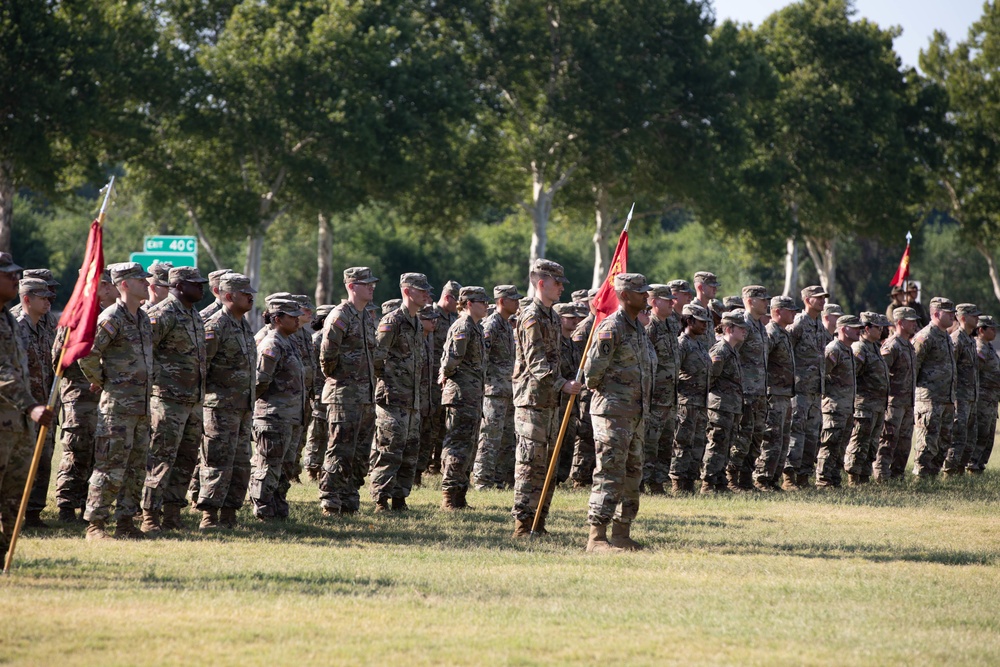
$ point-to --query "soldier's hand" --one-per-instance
(572, 387)
(95, 388)
(41, 415)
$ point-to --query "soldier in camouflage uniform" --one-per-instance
(347, 357)
(963, 435)
(831, 313)
(428, 320)
(302, 340)
(398, 365)
(725, 401)
(659, 437)
(807, 335)
(120, 367)
(780, 391)
(682, 293)
(538, 384)
(318, 431)
(433, 430)
(753, 368)
(496, 431)
(934, 411)
(279, 408)
(706, 286)
(897, 429)
(569, 364)
(693, 364)
(462, 375)
(176, 411)
(582, 468)
(619, 370)
(230, 383)
(839, 390)
(989, 394)
(214, 280)
(870, 401)
(159, 283)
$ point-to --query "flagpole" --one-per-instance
(44, 430)
(554, 459)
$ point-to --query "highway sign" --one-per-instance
(175, 258)
(182, 244)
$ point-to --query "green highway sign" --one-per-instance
(181, 244)
(175, 258)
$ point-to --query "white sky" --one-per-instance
(918, 18)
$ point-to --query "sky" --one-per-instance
(918, 18)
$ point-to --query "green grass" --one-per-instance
(898, 574)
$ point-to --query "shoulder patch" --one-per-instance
(486, 335)
(209, 334)
(459, 335)
(270, 352)
(340, 324)
(152, 319)
(716, 358)
(605, 335)
(578, 338)
(385, 326)
(109, 326)
(530, 322)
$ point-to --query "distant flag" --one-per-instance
(80, 314)
(606, 301)
(903, 270)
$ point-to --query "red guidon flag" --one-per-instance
(80, 314)
(903, 270)
(606, 302)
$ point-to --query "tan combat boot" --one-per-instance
(802, 479)
(171, 518)
(763, 486)
(96, 532)
(853, 480)
(620, 537)
(707, 488)
(656, 489)
(598, 543)
(209, 519)
(382, 505)
(462, 503)
(788, 482)
(521, 528)
(150, 522)
(227, 518)
(733, 481)
(448, 501)
(125, 529)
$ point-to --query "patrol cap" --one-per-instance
(735, 318)
(832, 309)
(41, 274)
(631, 282)
(849, 321)
(661, 291)
(785, 302)
(896, 289)
(284, 306)
(215, 276)
(235, 282)
(415, 280)
(547, 267)
(732, 303)
(506, 292)
(472, 293)
(452, 288)
(304, 301)
(986, 321)
(813, 291)
(368, 306)
(425, 313)
(715, 306)
(580, 295)
(160, 272)
(592, 292)
(871, 319)
(359, 274)
(905, 313)
(34, 287)
(962, 308)
(126, 271)
(755, 292)
(277, 295)
(941, 303)
(185, 274)
(7, 264)
(696, 311)
(582, 310)
(391, 305)
(680, 286)
(106, 276)
(706, 278)
(565, 309)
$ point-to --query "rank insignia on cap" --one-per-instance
(530, 322)
(340, 324)
(385, 327)
(460, 336)
(209, 335)
(605, 335)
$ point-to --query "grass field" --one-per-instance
(897, 574)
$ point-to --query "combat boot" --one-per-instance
(313, 474)
(707, 488)
(733, 481)
(788, 482)
(33, 519)
(620, 537)
(521, 528)
(448, 500)
(541, 527)
(462, 503)
(417, 478)
(67, 515)
(763, 486)
(802, 480)
(209, 519)
(853, 480)
(150, 522)
(677, 487)
(125, 529)
(171, 518)
(656, 489)
(399, 505)
(382, 505)
(227, 517)
(598, 542)
(96, 532)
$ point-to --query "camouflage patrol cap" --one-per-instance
(285, 307)
(369, 307)
(391, 305)
(425, 313)
(7, 264)
(871, 319)
(582, 310)
(277, 295)
(506, 292)
(215, 276)
(680, 286)
(565, 309)
(106, 276)
(359, 274)
(905, 313)
(323, 310)
(126, 271)
(547, 267)
(715, 306)
(592, 292)
(896, 289)
(755, 292)
(706, 278)
(185, 274)
(159, 272)
(783, 302)
(942, 303)
(813, 291)
(696, 311)
(304, 301)
(968, 309)
(472, 293)
(451, 288)
(661, 291)
(631, 282)
(235, 282)
(415, 280)
(580, 295)
(34, 287)
(849, 321)
(735, 318)
(986, 321)
(832, 309)
(41, 274)
(732, 303)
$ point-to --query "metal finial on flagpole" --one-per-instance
(107, 190)
(909, 236)
(629, 218)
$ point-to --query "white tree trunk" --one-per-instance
(324, 261)
(6, 205)
(255, 247)
(994, 276)
(824, 256)
(602, 221)
(791, 267)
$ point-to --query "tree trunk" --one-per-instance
(6, 206)
(994, 277)
(791, 267)
(540, 211)
(255, 247)
(324, 261)
(602, 220)
(203, 239)
(824, 256)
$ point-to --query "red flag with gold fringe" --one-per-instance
(606, 301)
(80, 314)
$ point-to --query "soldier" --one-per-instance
(120, 367)
(898, 296)
(725, 401)
(780, 391)
(230, 383)
(693, 364)
(279, 408)
(897, 429)
(388, 306)
(706, 286)
(49, 321)
(317, 434)
(912, 301)
(397, 396)
(963, 435)
(214, 279)
(659, 437)
(934, 410)
(989, 395)
(581, 296)
(839, 389)
(831, 313)
(496, 432)
(537, 385)
(870, 402)
(347, 357)
(582, 468)
(266, 329)
(18, 408)
(447, 309)
(727, 304)
(462, 375)
(159, 283)
(78, 423)
(619, 370)
(569, 364)
(428, 321)
(753, 369)
(682, 293)
(302, 340)
(807, 336)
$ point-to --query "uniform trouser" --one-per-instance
(300, 446)
(40, 487)
(535, 430)
(175, 439)
(290, 465)
(79, 423)
(986, 428)
(496, 438)
(859, 458)
(16, 450)
(345, 465)
(894, 442)
(837, 429)
(807, 423)
(746, 445)
(268, 471)
(584, 453)
(721, 433)
(426, 441)
(777, 433)
(317, 439)
(458, 448)
(394, 458)
(224, 458)
(689, 442)
(569, 438)
(120, 448)
(963, 436)
(435, 431)
(658, 447)
(619, 445)
(932, 433)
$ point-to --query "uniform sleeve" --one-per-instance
(268, 356)
(718, 359)
(385, 337)
(455, 347)
(212, 331)
(920, 350)
(860, 358)
(529, 332)
(333, 336)
(162, 323)
(889, 353)
(602, 349)
(90, 365)
(13, 384)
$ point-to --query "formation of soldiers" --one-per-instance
(678, 387)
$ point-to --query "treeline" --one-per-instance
(298, 137)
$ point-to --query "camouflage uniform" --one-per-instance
(934, 411)
(37, 342)
(659, 436)
(569, 365)
(78, 423)
(433, 431)
(318, 431)
(838, 413)
(496, 431)
(584, 453)
(807, 336)
(619, 371)
(753, 367)
(989, 395)
(463, 364)
(870, 404)
(897, 428)
(693, 367)
(725, 405)
(302, 340)
(963, 434)
(427, 383)
(121, 363)
(780, 392)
